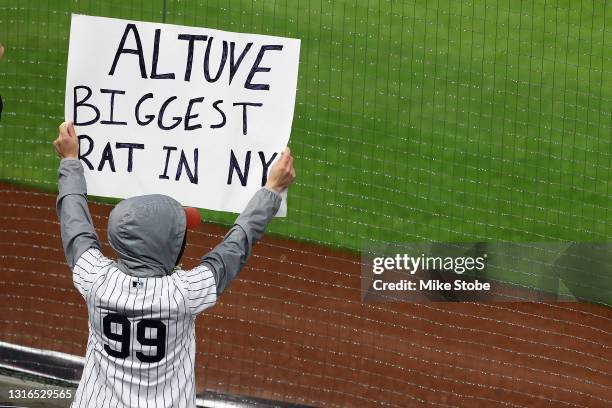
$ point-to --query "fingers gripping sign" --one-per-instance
(282, 173)
(67, 143)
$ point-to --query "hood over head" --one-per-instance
(148, 234)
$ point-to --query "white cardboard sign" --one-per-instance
(194, 113)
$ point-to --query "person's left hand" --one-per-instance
(67, 143)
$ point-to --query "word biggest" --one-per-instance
(191, 39)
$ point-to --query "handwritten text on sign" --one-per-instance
(194, 113)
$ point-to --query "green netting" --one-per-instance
(439, 120)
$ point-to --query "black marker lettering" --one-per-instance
(154, 74)
(113, 92)
(130, 147)
(256, 68)
(160, 118)
(193, 177)
(265, 165)
(244, 113)
(78, 103)
(243, 176)
(234, 65)
(189, 116)
(149, 118)
(169, 150)
(191, 39)
(223, 120)
(122, 50)
(107, 156)
(207, 58)
(83, 156)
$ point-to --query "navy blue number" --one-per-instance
(159, 341)
(123, 337)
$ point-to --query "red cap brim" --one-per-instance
(192, 216)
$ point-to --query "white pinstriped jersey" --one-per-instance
(141, 346)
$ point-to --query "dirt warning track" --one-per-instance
(293, 327)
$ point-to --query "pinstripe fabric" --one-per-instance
(134, 319)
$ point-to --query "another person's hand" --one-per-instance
(282, 172)
(1, 51)
(67, 143)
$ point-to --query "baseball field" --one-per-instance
(436, 120)
(415, 120)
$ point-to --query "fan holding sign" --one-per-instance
(146, 134)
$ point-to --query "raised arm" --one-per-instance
(227, 259)
(78, 233)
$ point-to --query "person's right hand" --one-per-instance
(282, 173)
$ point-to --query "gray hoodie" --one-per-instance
(148, 232)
